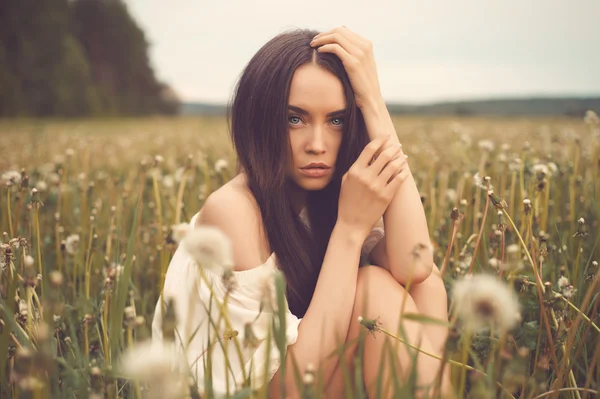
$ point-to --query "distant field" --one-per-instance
(90, 173)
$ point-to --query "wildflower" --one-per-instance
(11, 177)
(41, 185)
(566, 289)
(512, 249)
(168, 181)
(220, 165)
(486, 145)
(158, 159)
(591, 118)
(160, 365)
(29, 260)
(562, 282)
(494, 263)
(581, 228)
(178, 231)
(451, 195)
(552, 168)
(72, 244)
(526, 205)
(541, 169)
(209, 247)
(479, 182)
(482, 300)
(515, 165)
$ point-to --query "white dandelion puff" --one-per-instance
(591, 118)
(486, 145)
(159, 365)
(482, 300)
(179, 231)
(220, 165)
(563, 282)
(72, 244)
(41, 185)
(168, 181)
(209, 247)
(481, 182)
(11, 177)
(540, 168)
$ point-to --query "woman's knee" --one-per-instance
(375, 285)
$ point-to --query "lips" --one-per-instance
(316, 165)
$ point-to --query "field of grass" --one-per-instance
(86, 209)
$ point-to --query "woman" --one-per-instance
(320, 172)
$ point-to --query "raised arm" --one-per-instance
(366, 191)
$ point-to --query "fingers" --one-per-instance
(396, 181)
(393, 168)
(370, 150)
(387, 155)
(353, 37)
(339, 39)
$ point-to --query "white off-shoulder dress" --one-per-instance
(192, 296)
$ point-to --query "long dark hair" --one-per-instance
(257, 118)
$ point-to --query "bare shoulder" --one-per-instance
(233, 209)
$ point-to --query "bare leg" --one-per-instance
(431, 299)
(380, 296)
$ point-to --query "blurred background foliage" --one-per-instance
(75, 58)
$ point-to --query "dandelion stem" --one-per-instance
(10, 228)
(480, 233)
(462, 365)
(227, 321)
(450, 244)
(464, 358)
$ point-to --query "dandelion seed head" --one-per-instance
(72, 244)
(41, 186)
(220, 165)
(591, 118)
(541, 168)
(11, 177)
(562, 282)
(486, 145)
(209, 247)
(482, 300)
(179, 231)
(160, 365)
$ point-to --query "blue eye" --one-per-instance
(291, 117)
(341, 121)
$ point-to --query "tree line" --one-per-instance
(73, 58)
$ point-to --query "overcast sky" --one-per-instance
(425, 50)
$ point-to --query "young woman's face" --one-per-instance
(315, 119)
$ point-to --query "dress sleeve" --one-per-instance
(198, 312)
(376, 234)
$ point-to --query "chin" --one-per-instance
(312, 184)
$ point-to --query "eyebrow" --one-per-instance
(304, 112)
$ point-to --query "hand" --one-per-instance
(370, 184)
(356, 53)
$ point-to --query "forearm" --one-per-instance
(404, 219)
(325, 324)
(407, 236)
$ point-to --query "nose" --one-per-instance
(316, 142)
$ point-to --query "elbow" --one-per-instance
(413, 271)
